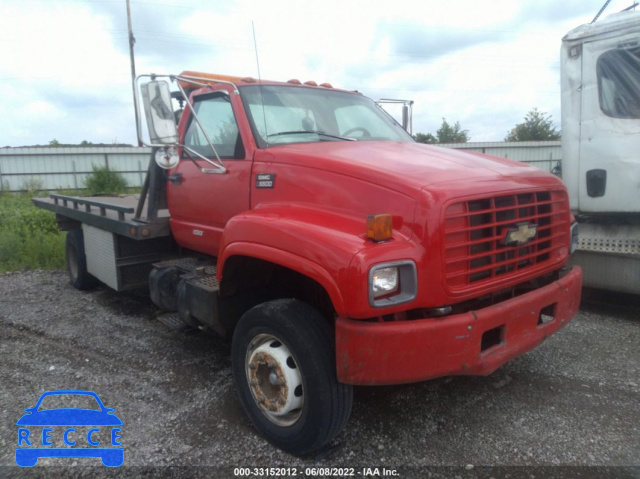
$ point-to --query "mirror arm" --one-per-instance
(136, 103)
(207, 81)
(219, 165)
(186, 152)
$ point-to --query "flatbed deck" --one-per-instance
(116, 214)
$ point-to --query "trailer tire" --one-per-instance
(283, 362)
(77, 262)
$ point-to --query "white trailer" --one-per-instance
(601, 147)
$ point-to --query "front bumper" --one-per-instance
(409, 351)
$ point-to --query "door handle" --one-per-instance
(176, 178)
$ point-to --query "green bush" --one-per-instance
(105, 181)
(10, 245)
(29, 237)
(32, 186)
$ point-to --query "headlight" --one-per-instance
(384, 281)
(574, 238)
(392, 283)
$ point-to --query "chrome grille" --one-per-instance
(475, 249)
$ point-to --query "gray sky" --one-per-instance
(65, 70)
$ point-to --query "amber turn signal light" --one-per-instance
(379, 227)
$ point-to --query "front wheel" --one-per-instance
(283, 360)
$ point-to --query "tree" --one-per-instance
(54, 142)
(452, 134)
(445, 134)
(537, 126)
(425, 138)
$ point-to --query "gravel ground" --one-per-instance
(571, 408)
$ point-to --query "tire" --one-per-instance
(283, 362)
(77, 262)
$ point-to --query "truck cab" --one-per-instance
(600, 132)
(311, 229)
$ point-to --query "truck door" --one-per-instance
(202, 203)
(610, 125)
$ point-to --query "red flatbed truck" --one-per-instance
(304, 223)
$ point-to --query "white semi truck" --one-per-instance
(601, 147)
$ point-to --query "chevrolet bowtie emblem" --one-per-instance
(520, 235)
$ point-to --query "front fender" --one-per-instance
(293, 262)
(319, 244)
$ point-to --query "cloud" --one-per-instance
(66, 73)
(54, 57)
(74, 46)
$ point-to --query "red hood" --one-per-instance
(404, 167)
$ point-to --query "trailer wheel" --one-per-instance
(283, 361)
(77, 262)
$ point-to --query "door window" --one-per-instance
(619, 83)
(216, 115)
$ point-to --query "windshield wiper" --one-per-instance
(316, 132)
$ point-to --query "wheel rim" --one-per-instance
(274, 380)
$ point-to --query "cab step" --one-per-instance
(174, 322)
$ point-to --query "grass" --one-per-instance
(29, 236)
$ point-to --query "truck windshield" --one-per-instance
(289, 114)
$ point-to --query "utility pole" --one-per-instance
(132, 41)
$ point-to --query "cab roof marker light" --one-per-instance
(326, 85)
(294, 81)
(311, 83)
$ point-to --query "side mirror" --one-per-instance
(156, 98)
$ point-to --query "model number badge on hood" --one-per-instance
(265, 180)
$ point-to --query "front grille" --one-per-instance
(475, 252)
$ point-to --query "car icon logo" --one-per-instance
(92, 430)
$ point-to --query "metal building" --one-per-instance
(541, 154)
(52, 168)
